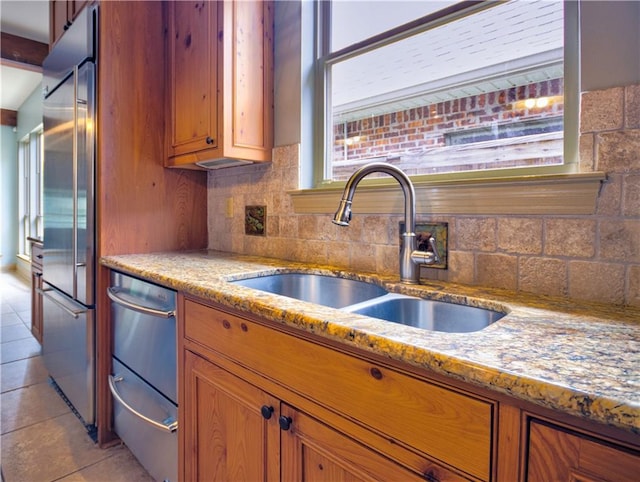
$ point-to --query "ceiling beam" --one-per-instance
(22, 50)
(9, 117)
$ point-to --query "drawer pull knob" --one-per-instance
(431, 476)
(209, 140)
(376, 373)
(266, 412)
(285, 422)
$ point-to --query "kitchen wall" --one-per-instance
(8, 198)
(592, 257)
(29, 117)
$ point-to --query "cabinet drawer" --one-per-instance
(36, 255)
(447, 425)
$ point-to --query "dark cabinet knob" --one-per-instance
(431, 476)
(285, 422)
(209, 140)
(266, 412)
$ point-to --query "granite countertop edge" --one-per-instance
(581, 359)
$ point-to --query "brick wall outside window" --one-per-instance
(414, 133)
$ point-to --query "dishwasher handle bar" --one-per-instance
(167, 426)
(113, 296)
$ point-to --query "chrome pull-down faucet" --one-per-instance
(410, 257)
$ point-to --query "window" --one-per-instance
(30, 156)
(441, 87)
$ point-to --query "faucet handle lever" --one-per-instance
(434, 249)
(427, 257)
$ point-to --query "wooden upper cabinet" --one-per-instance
(221, 82)
(62, 13)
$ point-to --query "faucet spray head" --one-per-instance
(343, 214)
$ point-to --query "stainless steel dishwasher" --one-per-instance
(143, 380)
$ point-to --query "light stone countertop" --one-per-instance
(580, 359)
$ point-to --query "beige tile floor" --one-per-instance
(41, 439)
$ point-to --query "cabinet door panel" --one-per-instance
(57, 20)
(226, 436)
(558, 455)
(250, 81)
(312, 451)
(193, 72)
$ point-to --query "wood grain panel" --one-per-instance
(192, 66)
(221, 82)
(227, 438)
(559, 455)
(248, 73)
(313, 451)
(141, 206)
(247, 82)
(58, 19)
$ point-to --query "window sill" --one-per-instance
(562, 194)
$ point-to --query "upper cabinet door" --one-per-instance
(221, 82)
(62, 13)
(193, 61)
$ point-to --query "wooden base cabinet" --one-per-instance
(36, 290)
(235, 431)
(561, 455)
(254, 396)
(264, 402)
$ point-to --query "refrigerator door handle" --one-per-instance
(113, 296)
(49, 293)
(168, 425)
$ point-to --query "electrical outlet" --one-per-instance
(228, 212)
(440, 233)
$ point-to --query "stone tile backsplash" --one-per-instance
(592, 257)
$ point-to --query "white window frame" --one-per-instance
(561, 189)
(30, 201)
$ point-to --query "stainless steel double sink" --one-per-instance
(371, 300)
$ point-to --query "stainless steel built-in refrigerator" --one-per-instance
(69, 82)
